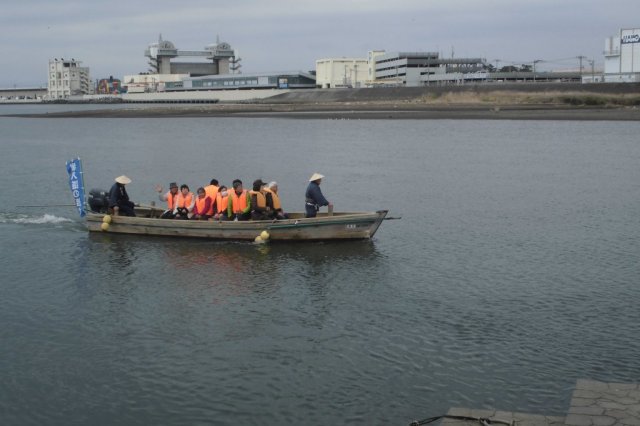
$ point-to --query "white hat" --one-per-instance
(315, 176)
(123, 180)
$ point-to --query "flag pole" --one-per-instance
(84, 193)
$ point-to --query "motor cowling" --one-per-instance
(98, 200)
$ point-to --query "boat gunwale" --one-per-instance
(371, 220)
(338, 219)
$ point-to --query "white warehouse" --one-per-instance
(622, 57)
(341, 72)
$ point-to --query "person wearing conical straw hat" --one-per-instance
(119, 199)
(313, 198)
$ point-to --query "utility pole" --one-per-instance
(355, 71)
(535, 61)
(580, 58)
(592, 62)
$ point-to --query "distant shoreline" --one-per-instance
(361, 110)
(555, 101)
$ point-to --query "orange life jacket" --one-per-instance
(200, 202)
(239, 203)
(222, 202)
(171, 200)
(261, 201)
(184, 201)
(211, 191)
(275, 199)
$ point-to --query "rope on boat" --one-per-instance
(482, 421)
(50, 205)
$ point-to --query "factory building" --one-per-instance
(216, 58)
(622, 57)
(68, 78)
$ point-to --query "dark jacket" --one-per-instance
(118, 196)
(314, 195)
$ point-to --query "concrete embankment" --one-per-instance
(523, 101)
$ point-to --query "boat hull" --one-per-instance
(339, 226)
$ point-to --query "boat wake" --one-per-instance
(33, 220)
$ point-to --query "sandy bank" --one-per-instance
(364, 110)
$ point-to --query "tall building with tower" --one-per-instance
(217, 58)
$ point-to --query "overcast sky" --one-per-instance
(277, 35)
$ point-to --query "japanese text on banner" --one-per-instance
(74, 169)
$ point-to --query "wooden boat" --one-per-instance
(338, 226)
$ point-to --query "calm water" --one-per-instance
(513, 272)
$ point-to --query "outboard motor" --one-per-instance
(98, 200)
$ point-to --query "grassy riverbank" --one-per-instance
(527, 98)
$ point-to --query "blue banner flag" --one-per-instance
(76, 182)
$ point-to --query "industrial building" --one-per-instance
(622, 57)
(67, 78)
(217, 58)
(423, 68)
(280, 80)
(22, 93)
(414, 69)
(398, 69)
(218, 69)
(341, 72)
(149, 83)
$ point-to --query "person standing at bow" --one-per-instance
(313, 196)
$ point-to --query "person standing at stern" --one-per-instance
(313, 197)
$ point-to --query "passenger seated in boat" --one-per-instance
(212, 190)
(273, 201)
(259, 208)
(239, 202)
(221, 203)
(170, 197)
(119, 199)
(184, 203)
(202, 206)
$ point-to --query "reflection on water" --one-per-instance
(231, 268)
